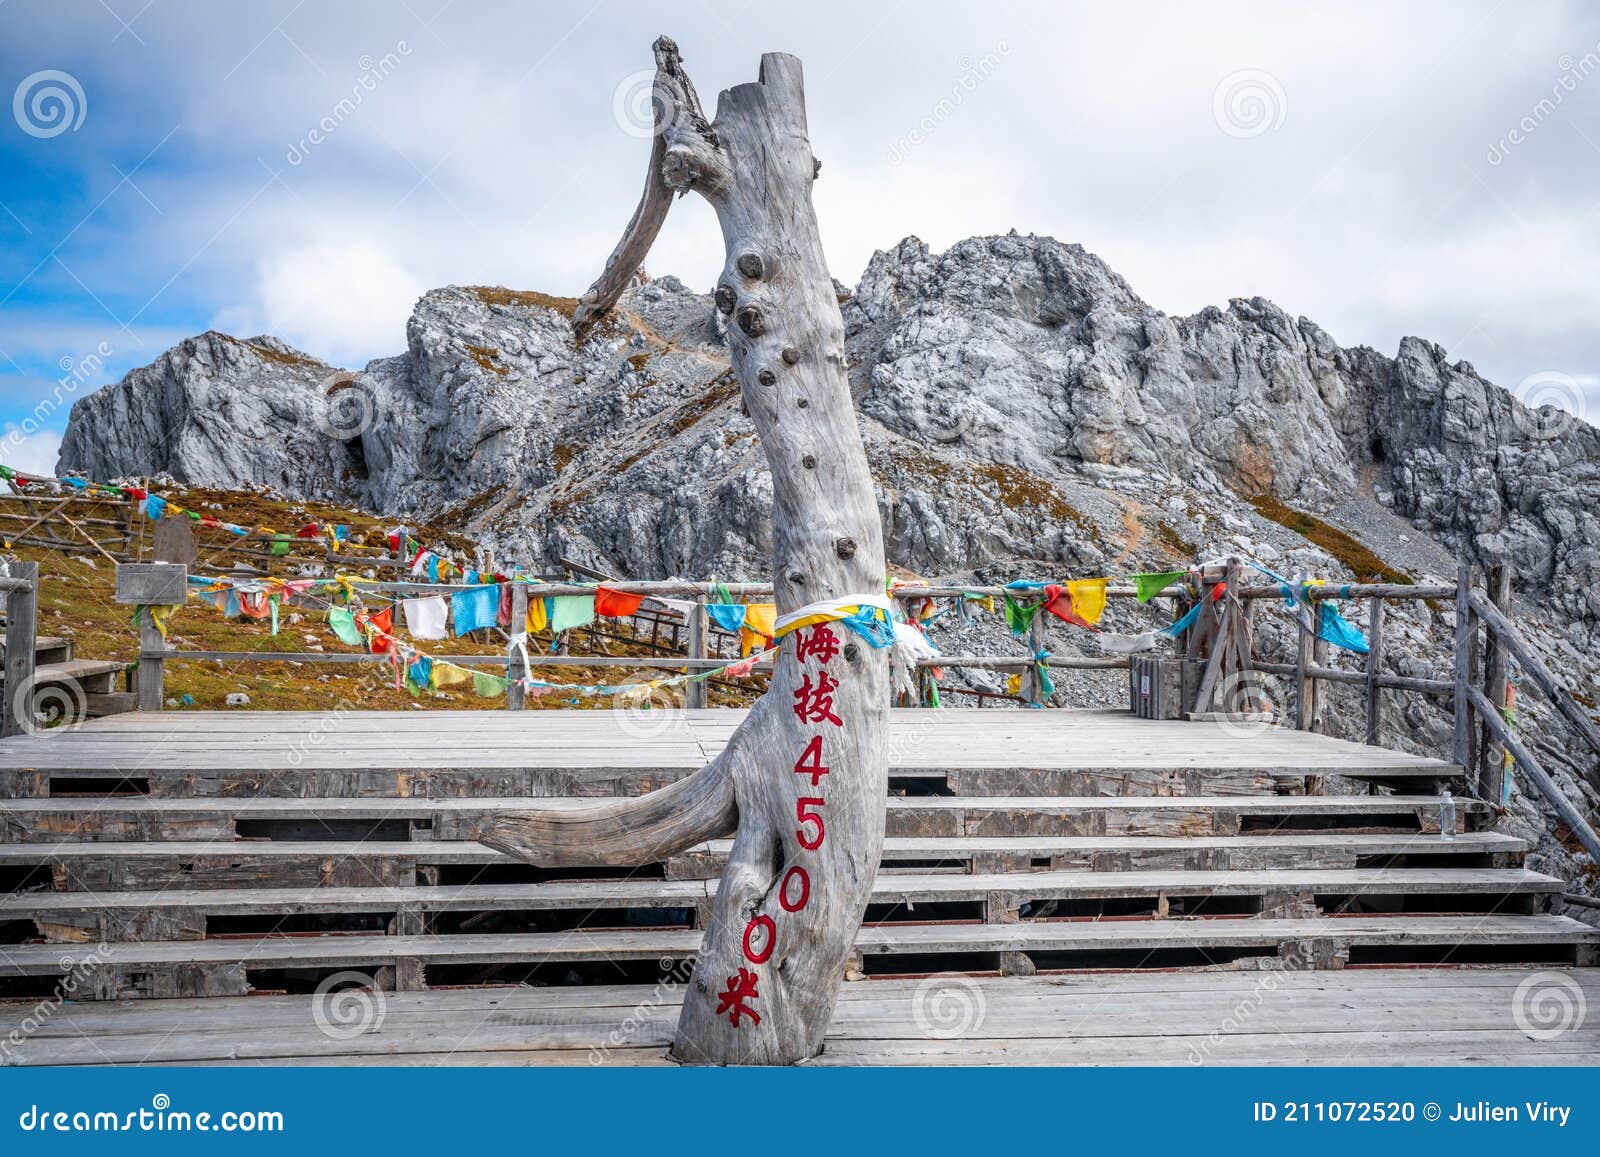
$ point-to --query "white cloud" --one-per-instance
(31, 453)
(344, 303)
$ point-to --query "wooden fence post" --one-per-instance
(1305, 708)
(1374, 732)
(1496, 667)
(694, 692)
(1038, 641)
(516, 668)
(22, 611)
(1461, 748)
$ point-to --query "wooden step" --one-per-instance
(175, 914)
(312, 863)
(597, 753)
(99, 704)
(98, 675)
(146, 818)
(1420, 1017)
(46, 649)
(226, 966)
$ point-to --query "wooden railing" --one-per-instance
(116, 530)
(1485, 640)
(693, 633)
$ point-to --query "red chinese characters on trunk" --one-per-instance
(813, 705)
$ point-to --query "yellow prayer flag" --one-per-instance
(760, 621)
(444, 674)
(1088, 598)
(537, 616)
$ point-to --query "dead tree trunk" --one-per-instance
(803, 780)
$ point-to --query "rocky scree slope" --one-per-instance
(1025, 413)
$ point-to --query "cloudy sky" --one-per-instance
(1385, 169)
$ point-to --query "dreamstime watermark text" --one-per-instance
(973, 73)
(373, 73)
(1573, 73)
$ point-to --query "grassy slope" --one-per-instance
(76, 601)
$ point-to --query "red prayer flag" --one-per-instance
(1059, 603)
(309, 530)
(616, 604)
(384, 621)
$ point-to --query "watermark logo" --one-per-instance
(1248, 103)
(48, 708)
(1249, 703)
(948, 1005)
(640, 108)
(645, 712)
(1551, 402)
(49, 103)
(346, 408)
(1548, 1004)
(348, 1004)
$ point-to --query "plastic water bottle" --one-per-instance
(1447, 816)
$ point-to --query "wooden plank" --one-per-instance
(120, 911)
(356, 950)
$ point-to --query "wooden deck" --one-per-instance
(677, 741)
(1104, 890)
(1356, 1017)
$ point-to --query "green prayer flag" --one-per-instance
(1148, 586)
(569, 611)
(1018, 617)
(280, 544)
(272, 601)
(490, 686)
(342, 623)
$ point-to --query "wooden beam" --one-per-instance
(1496, 685)
(1374, 728)
(1461, 746)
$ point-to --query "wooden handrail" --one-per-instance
(1526, 760)
(1511, 639)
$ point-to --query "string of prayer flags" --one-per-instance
(615, 604)
(1148, 586)
(568, 612)
(474, 608)
(426, 617)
